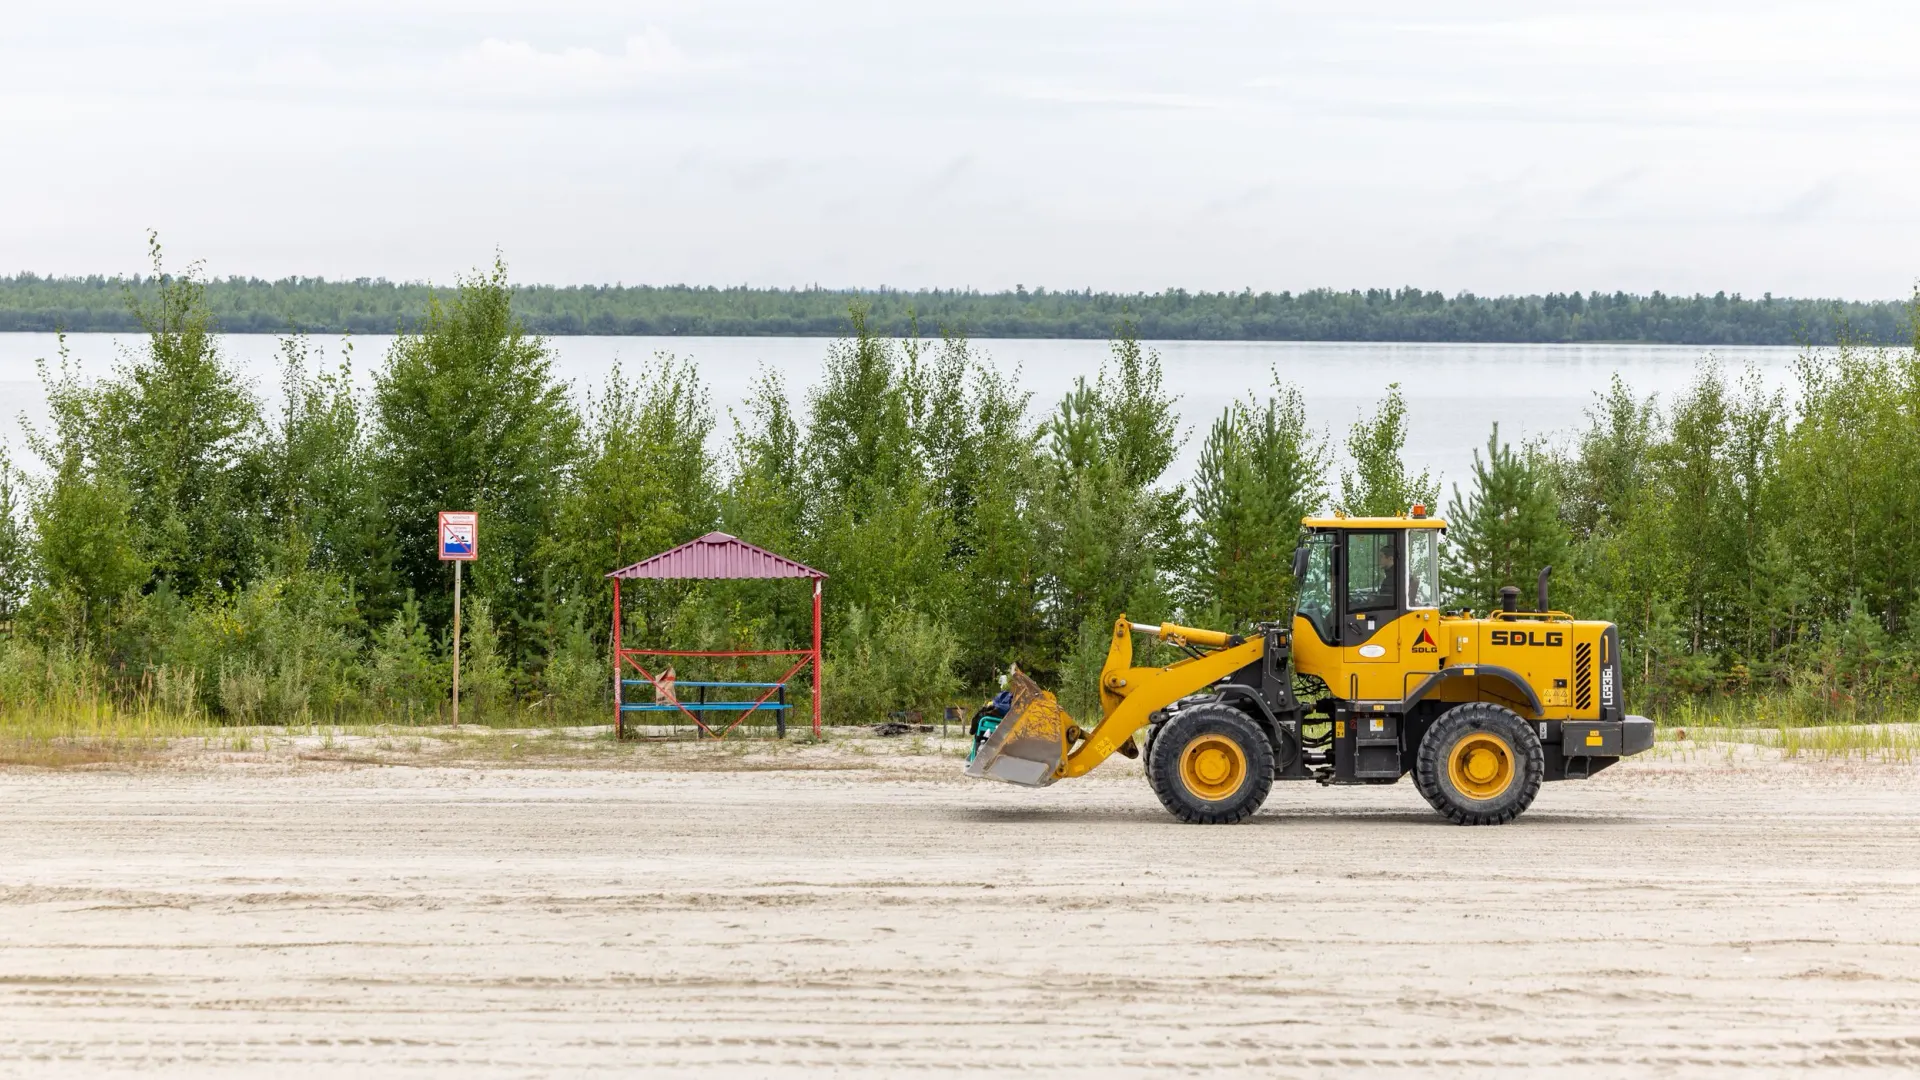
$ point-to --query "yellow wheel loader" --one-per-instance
(1481, 710)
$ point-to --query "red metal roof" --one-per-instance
(717, 555)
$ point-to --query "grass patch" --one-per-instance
(1885, 742)
(1800, 725)
(1785, 709)
(1892, 743)
(56, 755)
(91, 731)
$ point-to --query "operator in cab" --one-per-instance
(1374, 590)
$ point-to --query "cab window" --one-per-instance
(1423, 568)
(1315, 596)
(1372, 577)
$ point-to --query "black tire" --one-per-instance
(1205, 736)
(1452, 748)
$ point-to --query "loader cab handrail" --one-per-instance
(1542, 616)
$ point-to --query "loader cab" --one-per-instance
(1356, 577)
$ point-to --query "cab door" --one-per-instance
(1371, 610)
(1420, 631)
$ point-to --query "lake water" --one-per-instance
(1454, 392)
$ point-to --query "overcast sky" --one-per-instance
(1493, 147)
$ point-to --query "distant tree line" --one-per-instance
(369, 306)
(193, 548)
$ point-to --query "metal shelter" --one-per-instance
(714, 556)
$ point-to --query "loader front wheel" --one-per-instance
(1210, 765)
(1480, 764)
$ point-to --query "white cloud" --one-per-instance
(496, 71)
(1057, 93)
(516, 68)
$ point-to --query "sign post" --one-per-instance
(459, 543)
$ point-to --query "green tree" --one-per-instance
(250, 305)
(1104, 543)
(1611, 468)
(181, 430)
(991, 484)
(1506, 530)
(1379, 484)
(875, 519)
(764, 501)
(859, 432)
(468, 415)
(1615, 511)
(323, 502)
(16, 546)
(577, 676)
(1112, 539)
(1141, 425)
(881, 666)
(485, 680)
(1260, 472)
(407, 675)
(643, 482)
(84, 540)
(1747, 515)
(1850, 472)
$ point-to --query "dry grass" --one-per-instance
(98, 734)
(1800, 708)
(1891, 743)
(1886, 742)
(1798, 726)
(56, 755)
(90, 732)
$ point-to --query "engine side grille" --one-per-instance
(1583, 676)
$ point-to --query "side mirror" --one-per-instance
(1300, 562)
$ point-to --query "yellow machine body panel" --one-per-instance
(1561, 659)
(1385, 667)
(1557, 658)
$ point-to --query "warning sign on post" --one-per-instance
(459, 535)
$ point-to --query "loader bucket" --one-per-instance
(1028, 746)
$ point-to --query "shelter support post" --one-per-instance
(816, 658)
(619, 713)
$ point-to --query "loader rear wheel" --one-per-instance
(1480, 764)
(1210, 765)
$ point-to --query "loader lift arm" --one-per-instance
(1036, 744)
(1129, 695)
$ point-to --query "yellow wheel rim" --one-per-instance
(1213, 766)
(1481, 765)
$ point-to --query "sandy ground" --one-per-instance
(839, 912)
